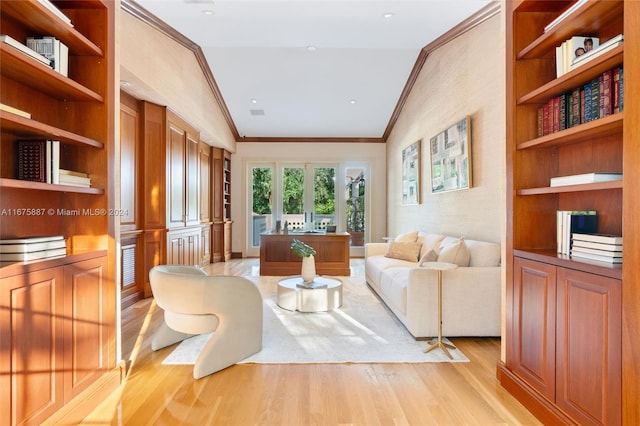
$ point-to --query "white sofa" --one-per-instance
(471, 301)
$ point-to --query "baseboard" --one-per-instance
(236, 255)
(82, 405)
(544, 410)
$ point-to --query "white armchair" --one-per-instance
(197, 303)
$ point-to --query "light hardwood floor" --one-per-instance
(310, 394)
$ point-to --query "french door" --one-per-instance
(306, 197)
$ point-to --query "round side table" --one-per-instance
(438, 343)
(324, 295)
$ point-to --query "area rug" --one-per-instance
(363, 330)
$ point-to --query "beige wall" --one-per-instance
(463, 77)
(166, 73)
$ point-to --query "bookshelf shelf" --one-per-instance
(589, 19)
(599, 186)
(26, 70)
(40, 186)
(602, 127)
(575, 77)
(43, 21)
(27, 128)
(610, 270)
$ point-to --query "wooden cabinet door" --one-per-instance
(87, 325)
(175, 249)
(534, 324)
(217, 242)
(205, 245)
(588, 360)
(31, 348)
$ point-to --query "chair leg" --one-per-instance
(233, 341)
(166, 336)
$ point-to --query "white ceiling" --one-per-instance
(258, 53)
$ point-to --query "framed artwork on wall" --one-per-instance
(451, 158)
(411, 174)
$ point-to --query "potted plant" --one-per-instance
(306, 252)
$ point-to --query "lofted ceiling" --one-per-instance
(313, 69)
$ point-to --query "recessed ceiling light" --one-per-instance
(311, 48)
(207, 12)
(388, 15)
(352, 101)
(254, 101)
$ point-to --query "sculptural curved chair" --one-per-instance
(197, 303)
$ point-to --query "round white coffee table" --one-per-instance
(324, 295)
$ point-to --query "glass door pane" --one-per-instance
(261, 203)
(324, 197)
(293, 197)
(355, 211)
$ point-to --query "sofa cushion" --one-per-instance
(393, 283)
(408, 237)
(404, 251)
(429, 242)
(430, 256)
(483, 253)
(375, 265)
(456, 252)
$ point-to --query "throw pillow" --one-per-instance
(430, 256)
(408, 237)
(404, 251)
(456, 252)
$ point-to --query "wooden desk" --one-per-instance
(332, 253)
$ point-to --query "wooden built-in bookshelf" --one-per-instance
(559, 308)
(67, 305)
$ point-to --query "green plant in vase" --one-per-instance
(302, 249)
(306, 252)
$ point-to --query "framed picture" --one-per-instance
(451, 158)
(411, 174)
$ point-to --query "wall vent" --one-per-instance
(256, 111)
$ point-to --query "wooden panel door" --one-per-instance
(205, 183)
(534, 324)
(192, 180)
(31, 349)
(588, 360)
(87, 326)
(176, 181)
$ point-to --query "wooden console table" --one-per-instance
(332, 253)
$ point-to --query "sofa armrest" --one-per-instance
(375, 249)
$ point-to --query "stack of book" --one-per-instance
(54, 50)
(39, 161)
(601, 247)
(69, 177)
(570, 222)
(34, 248)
